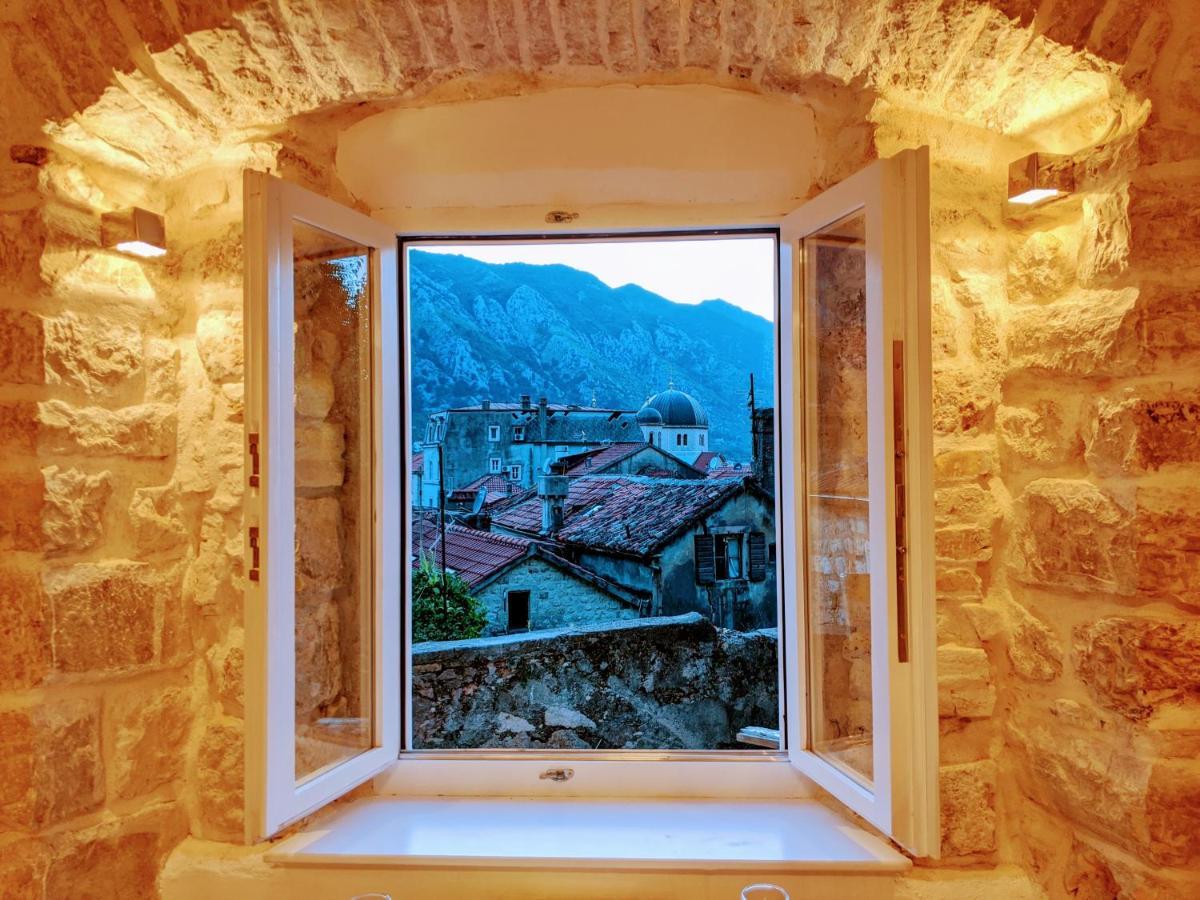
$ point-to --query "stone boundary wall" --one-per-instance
(674, 682)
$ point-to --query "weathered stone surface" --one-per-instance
(1042, 433)
(968, 808)
(1104, 251)
(219, 343)
(136, 431)
(149, 732)
(226, 671)
(319, 450)
(1144, 434)
(92, 354)
(1167, 524)
(1033, 649)
(24, 629)
(159, 520)
(161, 367)
(23, 866)
(1039, 271)
(1091, 334)
(121, 866)
(22, 340)
(964, 462)
(963, 401)
(314, 395)
(1173, 811)
(73, 512)
(1135, 665)
(18, 427)
(1164, 219)
(104, 615)
(965, 687)
(318, 543)
(963, 543)
(967, 504)
(21, 512)
(1071, 534)
(318, 659)
(219, 774)
(959, 582)
(663, 682)
(50, 764)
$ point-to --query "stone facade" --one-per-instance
(1065, 350)
(674, 682)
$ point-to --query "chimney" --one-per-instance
(487, 404)
(542, 404)
(552, 491)
(526, 402)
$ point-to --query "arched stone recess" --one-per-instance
(1067, 381)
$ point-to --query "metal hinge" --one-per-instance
(901, 522)
(253, 573)
(254, 463)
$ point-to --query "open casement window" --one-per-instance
(323, 468)
(860, 678)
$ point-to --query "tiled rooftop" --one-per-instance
(475, 555)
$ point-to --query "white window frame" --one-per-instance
(515, 472)
(905, 803)
(273, 798)
(494, 465)
(518, 433)
(493, 433)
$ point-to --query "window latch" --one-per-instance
(253, 573)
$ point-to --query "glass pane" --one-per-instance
(836, 494)
(333, 500)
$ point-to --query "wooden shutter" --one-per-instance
(705, 559)
(758, 556)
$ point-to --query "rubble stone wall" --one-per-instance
(658, 683)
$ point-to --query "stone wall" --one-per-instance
(658, 683)
(1064, 395)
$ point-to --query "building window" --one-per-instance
(493, 433)
(727, 557)
(514, 472)
(519, 433)
(493, 466)
(701, 440)
(517, 603)
(685, 440)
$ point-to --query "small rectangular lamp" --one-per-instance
(1039, 178)
(136, 231)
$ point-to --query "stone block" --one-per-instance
(963, 400)
(968, 797)
(24, 629)
(1090, 334)
(1033, 648)
(23, 866)
(966, 504)
(112, 866)
(22, 340)
(104, 615)
(319, 542)
(93, 354)
(1142, 434)
(1040, 270)
(1173, 811)
(1164, 217)
(960, 581)
(149, 732)
(226, 671)
(219, 343)
(146, 431)
(18, 427)
(961, 463)
(314, 395)
(219, 782)
(1135, 665)
(158, 520)
(965, 688)
(1043, 433)
(1071, 534)
(50, 764)
(73, 510)
(966, 543)
(21, 513)
(1171, 326)
(1104, 251)
(1167, 524)
(320, 447)
(161, 366)
(318, 659)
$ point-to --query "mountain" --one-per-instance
(496, 331)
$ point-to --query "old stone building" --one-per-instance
(1065, 382)
(691, 545)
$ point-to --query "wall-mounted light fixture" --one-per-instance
(1039, 178)
(135, 231)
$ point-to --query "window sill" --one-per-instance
(661, 835)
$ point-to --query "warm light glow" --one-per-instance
(1036, 195)
(141, 248)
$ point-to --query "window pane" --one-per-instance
(333, 500)
(839, 589)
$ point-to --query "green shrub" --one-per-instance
(451, 614)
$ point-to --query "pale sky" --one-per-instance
(738, 270)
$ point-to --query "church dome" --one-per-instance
(677, 409)
(648, 415)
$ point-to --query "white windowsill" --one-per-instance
(670, 835)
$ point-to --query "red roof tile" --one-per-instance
(418, 463)
(475, 555)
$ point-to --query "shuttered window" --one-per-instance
(758, 556)
(705, 548)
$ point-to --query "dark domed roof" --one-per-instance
(648, 415)
(678, 410)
